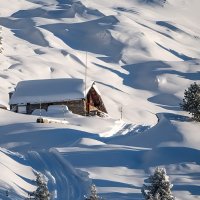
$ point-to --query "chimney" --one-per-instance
(10, 94)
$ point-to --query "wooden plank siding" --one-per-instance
(94, 101)
(76, 106)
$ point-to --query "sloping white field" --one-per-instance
(16, 175)
(22, 133)
(142, 55)
(119, 171)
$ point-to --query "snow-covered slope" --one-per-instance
(142, 55)
(16, 175)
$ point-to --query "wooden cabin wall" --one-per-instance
(95, 101)
(76, 106)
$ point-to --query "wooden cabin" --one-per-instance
(40, 94)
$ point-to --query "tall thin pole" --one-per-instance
(40, 109)
(121, 111)
(86, 72)
(86, 103)
(64, 107)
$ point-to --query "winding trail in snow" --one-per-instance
(122, 128)
(64, 182)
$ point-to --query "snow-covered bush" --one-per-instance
(58, 110)
(42, 192)
(39, 112)
(93, 194)
(191, 101)
(158, 186)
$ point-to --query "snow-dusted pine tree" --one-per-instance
(191, 101)
(42, 192)
(158, 186)
(93, 194)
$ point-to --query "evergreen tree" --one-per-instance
(42, 192)
(93, 194)
(191, 101)
(158, 186)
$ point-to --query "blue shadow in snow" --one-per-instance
(170, 155)
(25, 137)
(164, 34)
(145, 76)
(168, 26)
(167, 101)
(177, 54)
(107, 183)
(92, 36)
(65, 10)
(25, 29)
(137, 72)
(105, 158)
(23, 26)
(118, 195)
(193, 189)
(152, 69)
(176, 117)
(134, 11)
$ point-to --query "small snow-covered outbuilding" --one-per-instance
(39, 94)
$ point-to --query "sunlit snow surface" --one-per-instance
(142, 55)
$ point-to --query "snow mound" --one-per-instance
(87, 142)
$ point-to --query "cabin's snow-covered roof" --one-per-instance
(48, 90)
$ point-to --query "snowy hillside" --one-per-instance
(142, 54)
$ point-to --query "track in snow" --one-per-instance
(131, 128)
(121, 129)
(64, 182)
